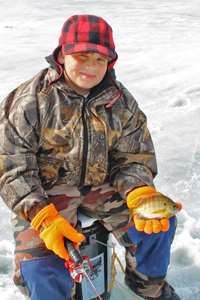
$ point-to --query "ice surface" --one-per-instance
(158, 45)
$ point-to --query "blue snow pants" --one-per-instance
(153, 250)
(47, 278)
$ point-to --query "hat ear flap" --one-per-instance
(61, 57)
(112, 63)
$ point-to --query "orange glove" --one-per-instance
(54, 229)
(151, 225)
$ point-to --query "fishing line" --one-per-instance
(87, 288)
(114, 272)
(104, 243)
(90, 281)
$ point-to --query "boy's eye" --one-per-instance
(82, 56)
(101, 59)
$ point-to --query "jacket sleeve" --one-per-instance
(133, 161)
(20, 185)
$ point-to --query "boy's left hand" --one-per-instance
(147, 225)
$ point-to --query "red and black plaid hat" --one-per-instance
(87, 33)
(82, 33)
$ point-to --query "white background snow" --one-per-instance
(158, 43)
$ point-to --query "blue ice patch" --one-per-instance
(153, 250)
(46, 278)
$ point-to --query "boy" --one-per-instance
(72, 137)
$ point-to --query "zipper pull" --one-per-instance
(86, 108)
(87, 112)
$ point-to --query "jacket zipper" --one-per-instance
(85, 115)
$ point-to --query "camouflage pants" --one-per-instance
(103, 203)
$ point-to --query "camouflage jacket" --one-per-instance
(50, 135)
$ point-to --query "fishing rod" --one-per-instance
(75, 265)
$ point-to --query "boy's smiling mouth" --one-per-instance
(88, 76)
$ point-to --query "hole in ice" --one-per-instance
(195, 233)
(180, 257)
(181, 102)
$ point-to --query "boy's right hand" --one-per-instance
(54, 229)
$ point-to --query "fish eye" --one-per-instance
(165, 204)
(174, 205)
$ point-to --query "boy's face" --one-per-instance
(83, 70)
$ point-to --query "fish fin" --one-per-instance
(163, 214)
(131, 214)
(160, 211)
(140, 201)
(141, 217)
(130, 218)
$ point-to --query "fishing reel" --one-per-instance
(77, 267)
(77, 272)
